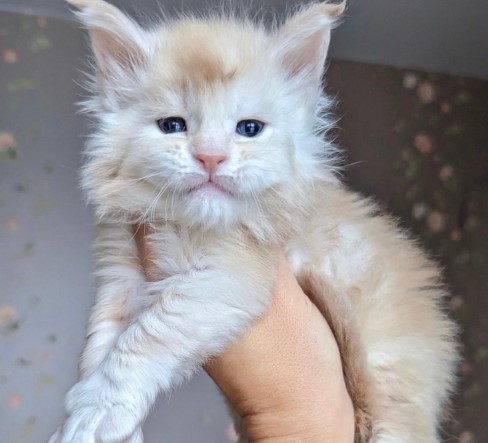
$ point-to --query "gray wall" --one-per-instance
(438, 35)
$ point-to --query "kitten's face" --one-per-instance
(207, 127)
(207, 171)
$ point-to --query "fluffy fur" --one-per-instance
(214, 247)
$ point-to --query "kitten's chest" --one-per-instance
(180, 251)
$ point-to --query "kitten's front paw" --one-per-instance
(87, 427)
(80, 427)
(100, 412)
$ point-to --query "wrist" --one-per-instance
(331, 423)
(300, 413)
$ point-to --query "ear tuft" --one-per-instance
(334, 10)
(82, 4)
(303, 41)
(118, 42)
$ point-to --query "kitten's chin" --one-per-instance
(210, 207)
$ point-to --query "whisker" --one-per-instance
(153, 202)
(136, 180)
(152, 207)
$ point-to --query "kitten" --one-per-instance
(212, 132)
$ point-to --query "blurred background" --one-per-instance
(410, 79)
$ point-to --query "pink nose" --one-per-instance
(210, 162)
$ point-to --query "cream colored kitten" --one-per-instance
(211, 130)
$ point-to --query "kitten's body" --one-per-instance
(215, 247)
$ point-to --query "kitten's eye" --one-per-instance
(171, 125)
(249, 128)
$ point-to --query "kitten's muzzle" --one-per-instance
(210, 163)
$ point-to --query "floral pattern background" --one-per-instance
(416, 141)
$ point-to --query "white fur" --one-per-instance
(215, 252)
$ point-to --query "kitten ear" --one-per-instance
(117, 40)
(303, 40)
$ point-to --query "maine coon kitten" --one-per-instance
(211, 131)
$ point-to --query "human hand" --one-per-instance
(284, 376)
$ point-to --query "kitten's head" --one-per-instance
(208, 122)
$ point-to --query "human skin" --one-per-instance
(284, 376)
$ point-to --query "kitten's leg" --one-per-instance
(397, 384)
(411, 360)
(120, 281)
(338, 313)
(196, 316)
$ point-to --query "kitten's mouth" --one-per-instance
(210, 187)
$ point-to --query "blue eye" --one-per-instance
(249, 128)
(171, 125)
